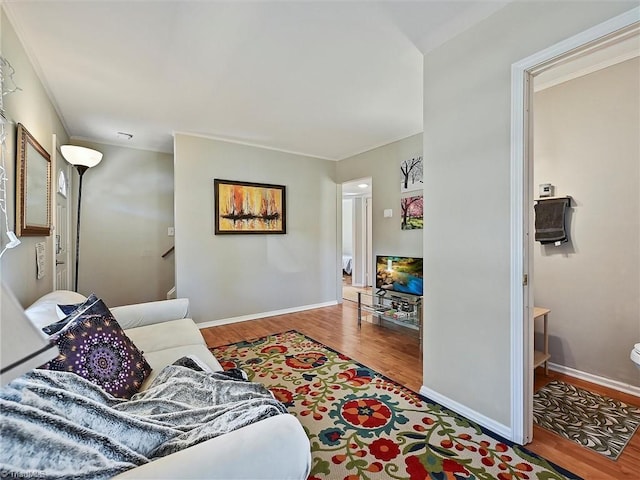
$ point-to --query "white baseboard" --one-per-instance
(255, 316)
(590, 377)
(466, 412)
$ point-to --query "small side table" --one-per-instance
(540, 357)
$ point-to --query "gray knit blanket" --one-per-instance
(57, 425)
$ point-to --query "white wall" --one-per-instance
(227, 276)
(586, 135)
(31, 107)
(383, 166)
(467, 208)
(127, 206)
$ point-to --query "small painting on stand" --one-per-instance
(411, 210)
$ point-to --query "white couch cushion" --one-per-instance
(160, 359)
(44, 311)
(159, 336)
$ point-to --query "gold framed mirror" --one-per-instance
(33, 186)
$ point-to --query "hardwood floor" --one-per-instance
(397, 355)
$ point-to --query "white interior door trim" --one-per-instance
(521, 322)
(369, 268)
(338, 243)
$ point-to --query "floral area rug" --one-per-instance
(362, 425)
(600, 423)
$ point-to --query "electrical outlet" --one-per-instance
(171, 231)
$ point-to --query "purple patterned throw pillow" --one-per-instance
(95, 347)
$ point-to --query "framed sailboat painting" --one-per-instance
(249, 208)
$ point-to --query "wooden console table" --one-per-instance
(540, 357)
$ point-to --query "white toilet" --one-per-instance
(635, 354)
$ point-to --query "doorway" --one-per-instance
(522, 195)
(585, 137)
(357, 233)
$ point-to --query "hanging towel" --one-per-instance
(549, 222)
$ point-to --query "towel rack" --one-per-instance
(567, 197)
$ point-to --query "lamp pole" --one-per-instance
(82, 158)
(81, 169)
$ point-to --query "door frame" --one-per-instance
(361, 233)
(522, 73)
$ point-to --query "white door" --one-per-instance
(61, 222)
(62, 278)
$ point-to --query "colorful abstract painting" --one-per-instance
(244, 207)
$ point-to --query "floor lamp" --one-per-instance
(82, 158)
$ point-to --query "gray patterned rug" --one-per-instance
(600, 423)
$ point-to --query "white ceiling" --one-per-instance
(328, 79)
(357, 188)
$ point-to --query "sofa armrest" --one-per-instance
(275, 448)
(141, 314)
(44, 311)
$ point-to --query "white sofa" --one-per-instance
(274, 448)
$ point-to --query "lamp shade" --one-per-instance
(24, 347)
(77, 155)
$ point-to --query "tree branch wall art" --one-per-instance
(411, 174)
